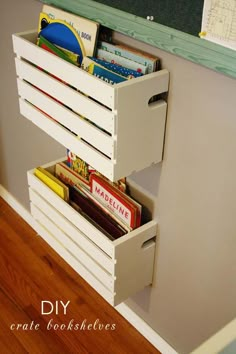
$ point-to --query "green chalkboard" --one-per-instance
(175, 27)
(183, 15)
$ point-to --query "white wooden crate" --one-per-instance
(106, 265)
(122, 132)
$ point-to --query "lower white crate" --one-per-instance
(115, 269)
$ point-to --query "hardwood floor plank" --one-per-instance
(31, 272)
(31, 338)
(9, 343)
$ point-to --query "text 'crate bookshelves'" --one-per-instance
(117, 131)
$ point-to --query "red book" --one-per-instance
(123, 206)
(94, 214)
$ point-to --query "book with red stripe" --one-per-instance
(70, 177)
(122, 205)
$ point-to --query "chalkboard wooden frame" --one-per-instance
(199, 51)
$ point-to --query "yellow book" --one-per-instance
(52, 182)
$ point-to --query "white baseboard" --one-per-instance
(142, 327)
(17, 206)
(153, 337)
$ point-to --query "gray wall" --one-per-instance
(22, 145)
(194, 287)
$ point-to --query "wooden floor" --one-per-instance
(31, 272)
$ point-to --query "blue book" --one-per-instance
(118, 69)
(101, 72)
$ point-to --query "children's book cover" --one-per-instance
(101, 72)
(122, 50)
(119, 60)
(86, 29)
(127, 209)
(62, 34)
(52, 182)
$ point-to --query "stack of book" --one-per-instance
(115, 63)
(105, 204)
(75, 39)
(82, 42)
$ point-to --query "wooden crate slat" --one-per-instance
(99, 139)
(24, 45)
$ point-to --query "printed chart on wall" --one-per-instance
(219, 22)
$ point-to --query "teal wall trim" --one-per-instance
(189, 47)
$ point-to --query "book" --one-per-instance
(82, 170)
(62, 34)
(119, 60)
(118, 69)
(107, 211)
(67, 55)
(95, 214)
(52, 182)
(74, 57)
(86, 29)
(123, 206)
(78, 165)
(101, 72)
(70, 177)
(146, 59)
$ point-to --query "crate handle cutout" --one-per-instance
(148, 243)
(154, 101)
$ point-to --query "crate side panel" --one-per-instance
(140, 127)
(136, 272)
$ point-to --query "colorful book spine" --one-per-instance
(119, 60)
(118, 69)
(78, 165)
(74, 57)
(46, 45)
(101, 72)
(70, 177)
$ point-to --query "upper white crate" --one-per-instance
(112, 127)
